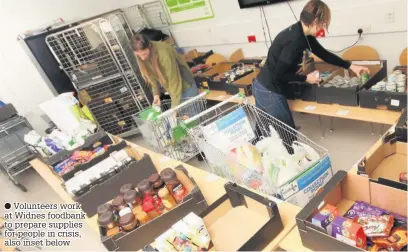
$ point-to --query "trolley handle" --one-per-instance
(191, 119)
(170, 111)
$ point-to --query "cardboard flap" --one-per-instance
(356, 187)
(391, 199)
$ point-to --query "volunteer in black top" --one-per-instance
(285, 58)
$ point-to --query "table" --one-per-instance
(331, 110)
(211, 186)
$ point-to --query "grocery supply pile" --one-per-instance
(365, 226)
(395, 82)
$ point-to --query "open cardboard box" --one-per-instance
(342, 191)
(385, 161)
(243, 85)
(349, 96)
(137, 238)
(306, 91)
(389, 100)
(241, 220)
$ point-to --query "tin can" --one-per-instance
(364, 77)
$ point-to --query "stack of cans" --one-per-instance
(343, 82)
(395, 82)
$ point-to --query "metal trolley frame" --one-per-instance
(167, 133)
(14, 152)
(260, 122)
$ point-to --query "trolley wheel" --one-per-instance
(22, 188)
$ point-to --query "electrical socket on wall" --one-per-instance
(390, 17)
(366, 29)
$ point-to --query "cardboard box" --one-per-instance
(396, 101)
(385, 161)
(243, 85)
(306, 91)
(349, 96)
(342, 191)
(241, 220)
(139, 237)
(401, 127)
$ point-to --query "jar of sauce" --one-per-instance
(104, 208)
(157, 182)
(177, 190)
(125, 188)
(168, 200)
(128, 222)
(149, 206)
(108, 221)
(133, 199)
(120, 206)
(146, 188)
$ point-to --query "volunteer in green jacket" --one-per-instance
(161, 66)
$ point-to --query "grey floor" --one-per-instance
(346, 145)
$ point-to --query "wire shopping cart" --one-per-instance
(165, 132)
(249, 147)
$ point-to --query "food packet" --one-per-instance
(376, 226)
(395, 242)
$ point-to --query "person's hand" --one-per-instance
(313, 78)
(156, 100)
(358, 69)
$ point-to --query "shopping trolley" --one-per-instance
(227, 127)
(164, 131)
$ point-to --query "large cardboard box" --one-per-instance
(137, 238)
(241, 220)
(342, 191)
(385, 161)
(396, 101)
(349, 96)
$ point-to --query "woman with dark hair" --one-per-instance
(285, 57)
(161, 66)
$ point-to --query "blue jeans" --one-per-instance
(191, 92)
(272, 103)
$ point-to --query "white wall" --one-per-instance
(229, 29)
(22, 85)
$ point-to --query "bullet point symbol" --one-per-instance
(7, 206)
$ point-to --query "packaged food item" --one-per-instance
(149, 206)
(146, 189)
(157, 182)
(325, 216)
(125, 188)
(128, 222)
(347, 231)
(177, 190)
(166, 198)
(142, 217)
(361, 209)
(200, 235)
(376, 226)
(165, 241)
(133, 199)
(395, 242)
(108, 220)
